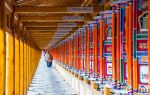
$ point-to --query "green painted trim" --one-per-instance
(121, 71)
(108, 42)
(142, 39)
(135, 43)
(142, 36)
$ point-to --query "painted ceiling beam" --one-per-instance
(51, 18)
(52, 24)
(48, 29)
(26, 9)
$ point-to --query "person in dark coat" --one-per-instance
(49, 59)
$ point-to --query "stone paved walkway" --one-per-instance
(47, 81)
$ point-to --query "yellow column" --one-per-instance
(29, 70)
(2, 63)
(33, 62)
(9, 65)
(2, 50)
(25, 68)
(17, 68)
(21, 68)
(32, 65)
(28, 67)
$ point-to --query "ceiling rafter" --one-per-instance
(41, 18)
(50, 24)
(50, 18)
(52, 10)
(47, 29)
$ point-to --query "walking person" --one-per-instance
(49, 59)
(46, 59)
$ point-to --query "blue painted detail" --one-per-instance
(124, 57)
(142, 53)
(142, 87)
(107, 54)
(122, 14)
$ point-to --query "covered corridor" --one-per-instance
(48, 81)
(99, 47)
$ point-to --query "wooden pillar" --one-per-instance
(118, 46)
(135, 61)
(9, 64)
(69, 51)
(62, 53)
(114, 76)
(27, 66)
(80, 50)
(101, 48)
(88, 49)
(149, 40)
(85, 50)
(75, 49)
(17, 67)
(25, 70)
(2, 63)
(77, 52)
(65, 53)
(95, 47)
(93, 50)
(30, 62)
(72, 53)
(130, 62)
(2, 49)
(127, 33)
(21, 67)
(31, 65)
(59, 53)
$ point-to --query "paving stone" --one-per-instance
(48, 81)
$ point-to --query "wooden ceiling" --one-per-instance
(42, 18)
